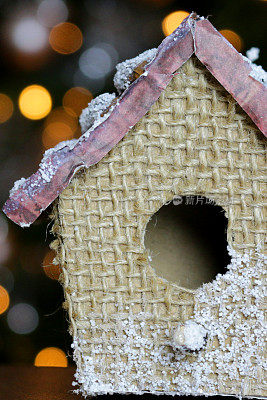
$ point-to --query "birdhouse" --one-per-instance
(188, 121)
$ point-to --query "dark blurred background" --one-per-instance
(55, 57)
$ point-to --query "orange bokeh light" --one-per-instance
(172, 21)
(55, 133)
(6, 108)
(4, 300)
(60, 125)
(76, 99)
(233, 38)
(65, 38)
(51, 357)
(62, 114)
(51, 270)
(35, 102)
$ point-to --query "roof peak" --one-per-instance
(195, 35)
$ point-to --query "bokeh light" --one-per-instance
(50, 269)
(29, 36)
(22, 318)
(51, 357)
(61, 124)
(76, 99)
(35, 102)
(62, 114)
(65, 38)
(6, 107)
(233, 38)
(96, 62)
(4, 300)
(52, 12)
(55, 133)
(172, 21)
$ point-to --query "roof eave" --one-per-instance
(197, 35)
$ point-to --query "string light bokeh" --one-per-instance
(28, 35)
(76, 99)
(6, 108)
(22, 318)
(51, 357)
(57, 55)
(50, 268)
(35, 102)
(172, 21)
(4, 300)
(65, 38)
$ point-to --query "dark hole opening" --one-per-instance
(187, 241)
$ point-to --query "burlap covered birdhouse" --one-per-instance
(189, 120)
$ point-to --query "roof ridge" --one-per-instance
(31, 196)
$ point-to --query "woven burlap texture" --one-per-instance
(195, 140)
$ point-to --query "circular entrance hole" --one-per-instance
(187, 241)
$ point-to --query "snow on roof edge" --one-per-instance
(176, 47)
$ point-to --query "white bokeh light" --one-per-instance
(22, 318)
(52, 12)
(110, 49)
(28, 35)
(95, 62)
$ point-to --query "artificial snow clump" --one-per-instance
(228, 307)
(17, 185)
(189, 336)
(97, 111)
(66, 143)
(125, 69)
(253, 53)
(257, 72)
(47, 169)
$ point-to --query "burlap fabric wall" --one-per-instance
(194, 140)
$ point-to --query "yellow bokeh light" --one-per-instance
(65, 38)
(51, 270)
(51, 357)
(4, 300)
(35, 102)
(233, 38)
(172, 21)
(6, 108)
(76, 99)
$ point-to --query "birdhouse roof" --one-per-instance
(196, 35)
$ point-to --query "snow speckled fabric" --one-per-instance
(195, 140)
